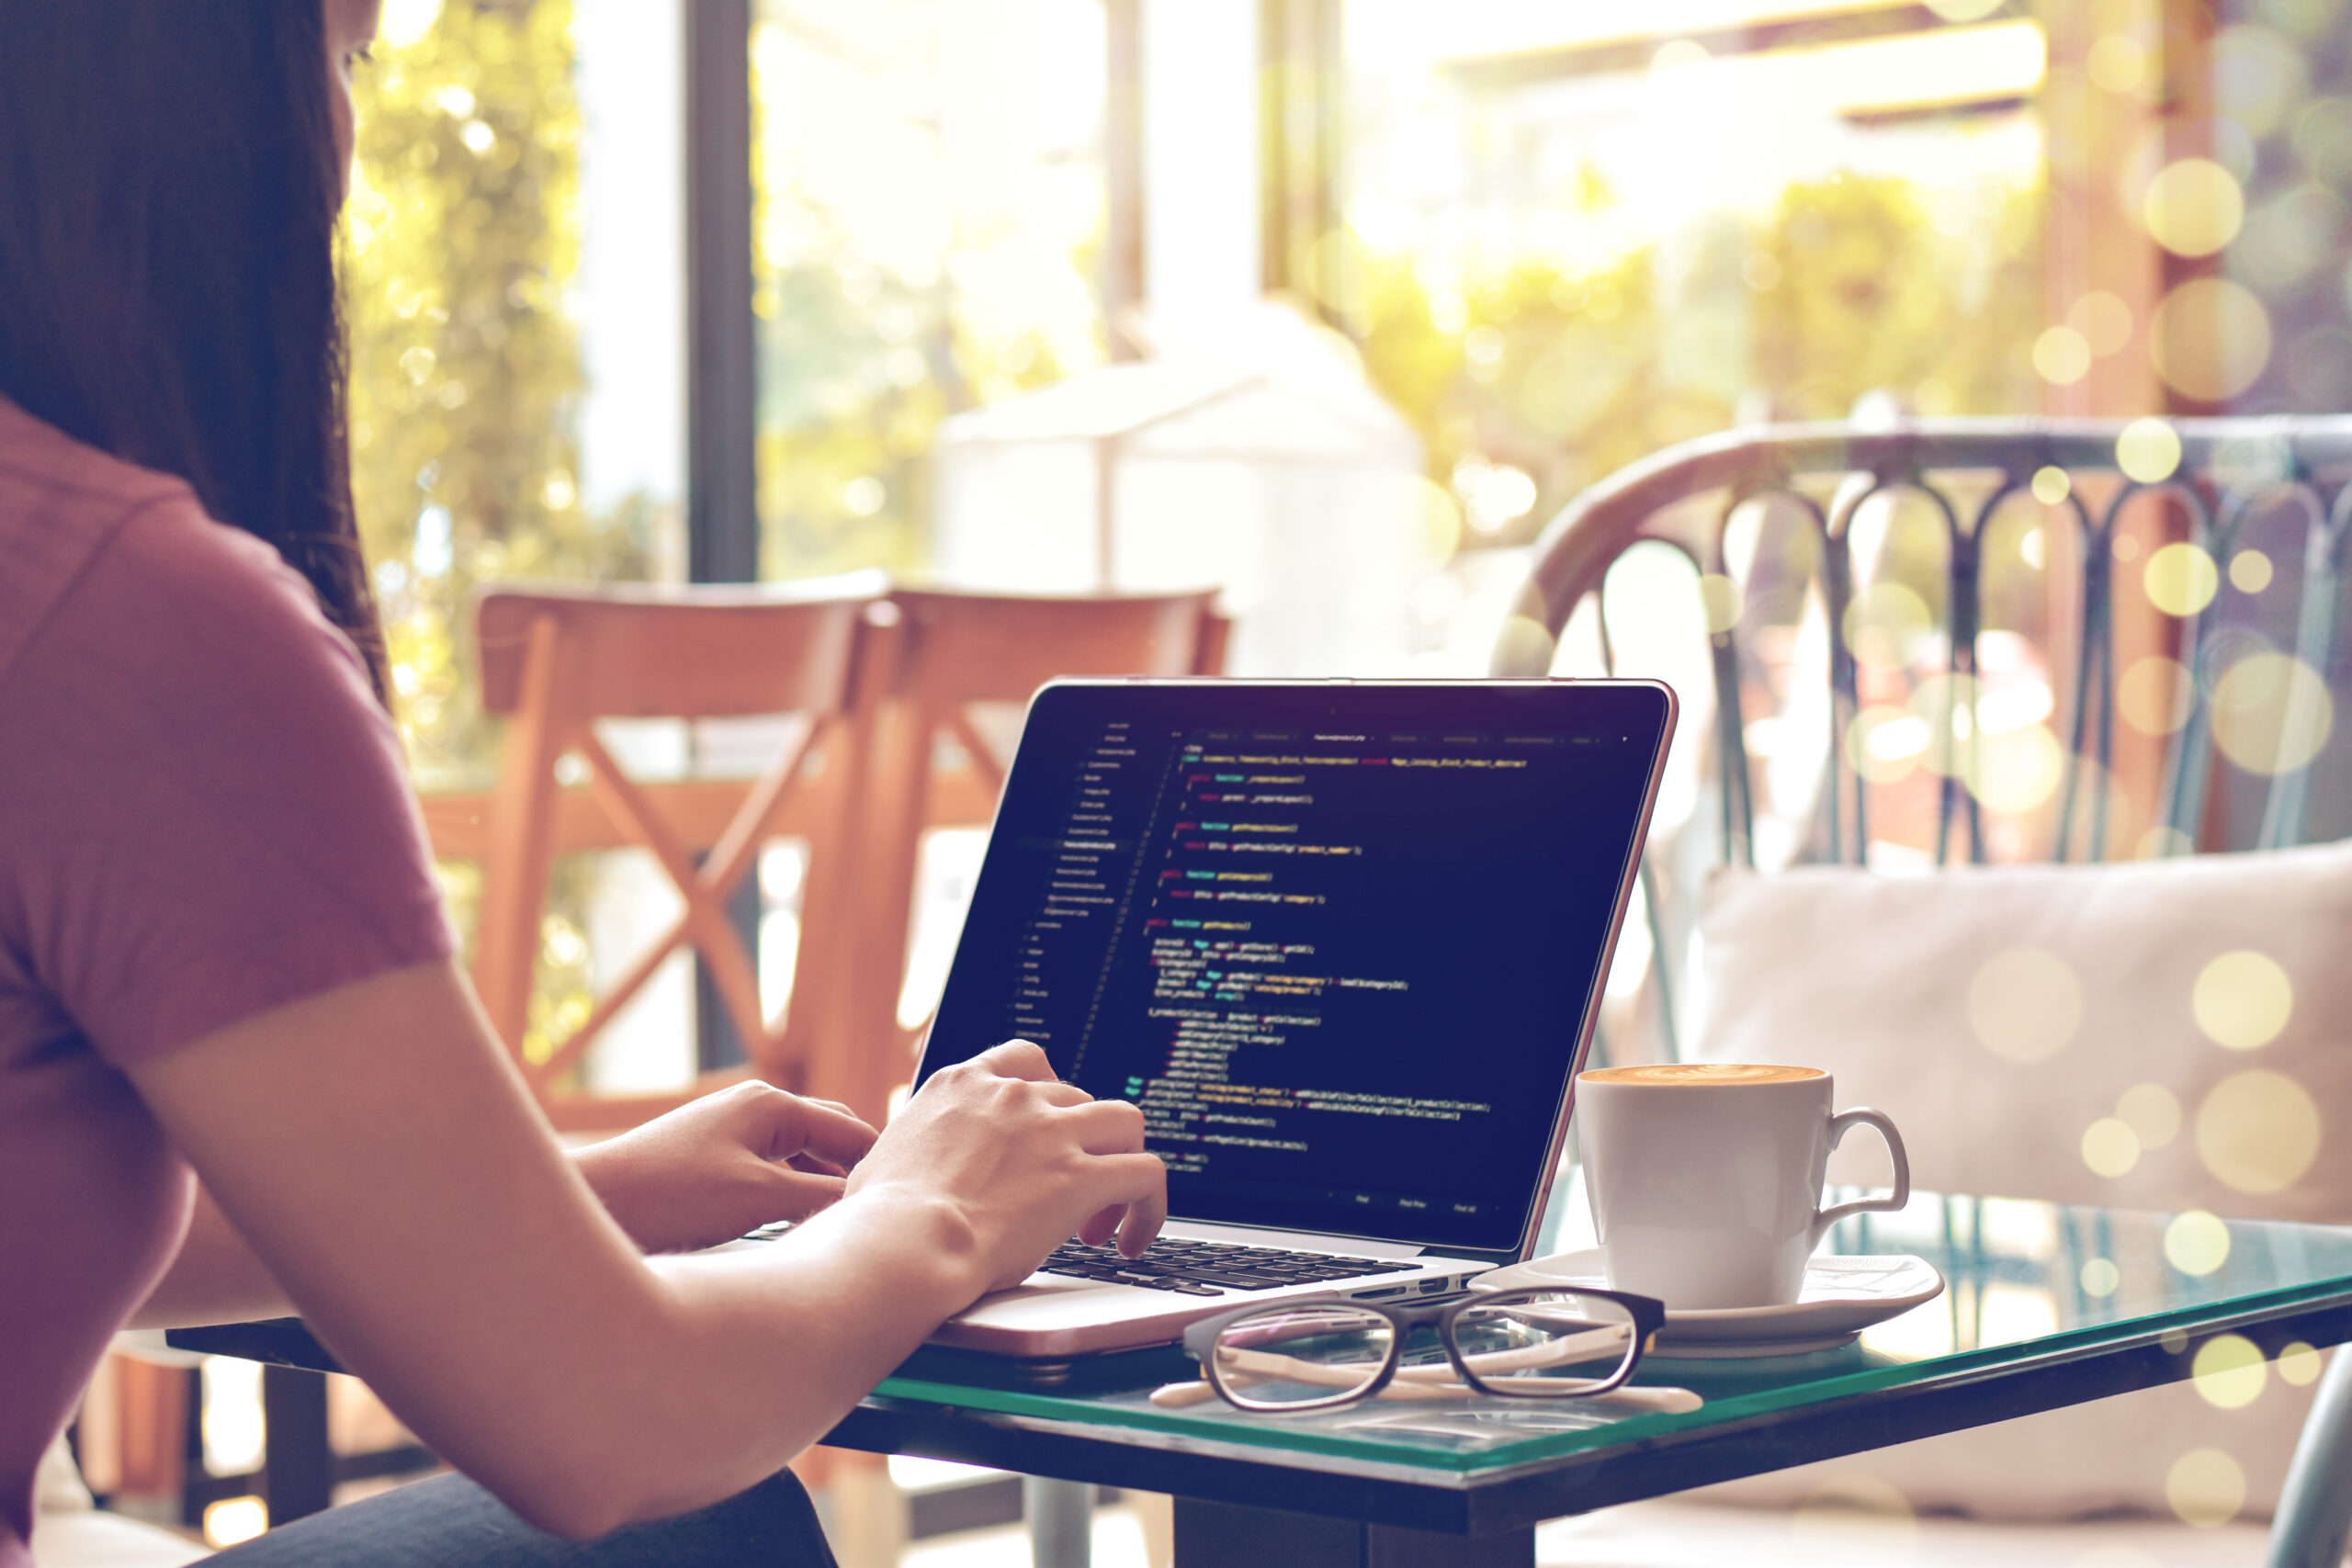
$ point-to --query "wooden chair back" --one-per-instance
(557, 660)
(934, 765)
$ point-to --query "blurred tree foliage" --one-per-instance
(463, 230)
(1847, 288)
(857, 369)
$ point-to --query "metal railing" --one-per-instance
(2226, 472)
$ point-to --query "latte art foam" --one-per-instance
(1702, 1074)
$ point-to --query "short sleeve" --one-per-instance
(204, 812)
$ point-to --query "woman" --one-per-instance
(225, 978)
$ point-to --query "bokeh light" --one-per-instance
(1885, 624)
(405, 22)
(1884, 743)
(2250, 572)
(2018, 770)
(2241, 1000)
(1945, 703)
(2180, 578)
(2162, 843)
(2272, 713)
(2206, 1488)
(2258, 73)
(2050, 485)
(2104, 320)
(2298, 1364)
(2193, 207)
(2197, 1243)
(2025, 1004)
(1721, 597)
(2229, 1371)
(2155, 695)
(2100, 1277)
(2117, 63)
(2110, 1147)
(2152, 1111)
(2209, 339)
(2062, 356)
(2289, 240)
(2321, 137)
(1436, 512)
(2148, 451)
(233, 1520)
(2257, 1132)
(1522, 647)
(2252, 461)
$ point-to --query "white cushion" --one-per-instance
(70, 1533)
(93, 1539)
(57, 1481)
(1910, 991)
(2085, 1460)
(1828, 1531)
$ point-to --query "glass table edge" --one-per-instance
(1961, 1367)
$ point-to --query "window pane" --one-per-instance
(1570, 244)
(514, 283)
(481, 291)
(930, 213)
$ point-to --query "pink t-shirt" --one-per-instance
(203, 815)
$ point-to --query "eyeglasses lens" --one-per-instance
(1544, 1342)
(1292, 1357)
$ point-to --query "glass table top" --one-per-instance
(2024, 1283)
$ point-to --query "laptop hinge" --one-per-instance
(1251, 1236)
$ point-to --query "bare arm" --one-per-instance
(710, 1170)
(215, 1278)
(376, 1149)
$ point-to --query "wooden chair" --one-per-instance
(556, 660)
(933, 763)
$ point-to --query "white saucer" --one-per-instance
(1842, 1296)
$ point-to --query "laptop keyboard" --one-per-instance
(1209, 1267)
(1190, 1268)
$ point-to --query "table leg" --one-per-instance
(1226, 1535)
(2314, 1507)
(297, 1463)
(1061, 1521)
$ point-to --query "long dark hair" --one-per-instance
(168, 196)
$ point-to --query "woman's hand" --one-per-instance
(724, 1164)
(1023, 1160)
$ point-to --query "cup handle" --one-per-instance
(1839, 1125)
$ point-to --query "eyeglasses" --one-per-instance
(1313, 1354)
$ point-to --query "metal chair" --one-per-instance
(1775, 513)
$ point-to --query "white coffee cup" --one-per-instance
(1705, 1177)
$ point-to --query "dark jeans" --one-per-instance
(449, 1522)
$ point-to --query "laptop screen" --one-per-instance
(1339, 941)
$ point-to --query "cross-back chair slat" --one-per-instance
(951, 655)
(558, 662)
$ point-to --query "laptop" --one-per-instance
(1344, 943)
